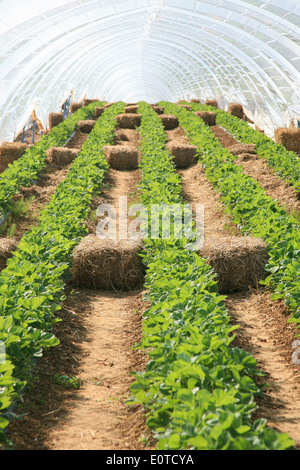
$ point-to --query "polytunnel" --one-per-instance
(245, 51)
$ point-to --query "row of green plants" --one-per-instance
(32, 284)
(255, 212)
(25, 170)
(285, 164)
(198, 390)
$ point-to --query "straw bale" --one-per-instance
(239, 149)
(55, 119)
(128, 120)
(239, 262)
(195, 100)
(61, 156)
(120, 157)
(289, 138)
(183, 154)
(209, 117)
(75, 106)
(236, 109)
(211, 103)
(9, 152)
(158, 109)
(108, 264)
(7, 247)
(133, 109)
(169, 121)
(86, 126)
(99, 110)
(87, 101)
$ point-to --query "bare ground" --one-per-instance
(97, 335)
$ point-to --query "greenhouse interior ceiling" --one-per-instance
(242, 51)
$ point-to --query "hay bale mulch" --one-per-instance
(9, 152)
(108, 264)
(169, 121)
(239, 262)
(122, 157)
(61, 156)
(183, 154)
(236, 109)
(7, 247)
(209, 117)
(128, 120)
(86, 126)
(239, 149)
(54, 119)
(289, 138)
(211, 103)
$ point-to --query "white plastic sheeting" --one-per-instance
(245, 51)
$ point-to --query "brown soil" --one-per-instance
(196, 189)
(258, 169)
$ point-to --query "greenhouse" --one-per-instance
(149, 226)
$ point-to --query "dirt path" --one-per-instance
(264, 329)
(258, 169)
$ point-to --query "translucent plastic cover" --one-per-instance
(245, 51)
